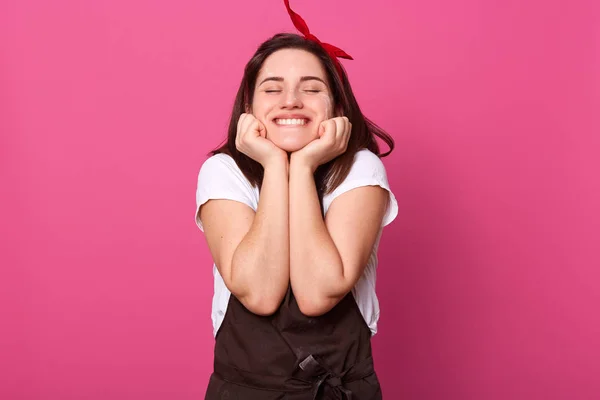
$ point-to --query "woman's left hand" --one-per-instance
(332, 141)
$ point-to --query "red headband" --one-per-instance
(333, 51)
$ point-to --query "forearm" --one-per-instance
(260, 264)
(316, 268)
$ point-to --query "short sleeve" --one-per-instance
(367, 170)
(221, 178)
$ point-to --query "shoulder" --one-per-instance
(366, 163)
(367, 170)
(221, 178)
(219, 164)
(222, 170)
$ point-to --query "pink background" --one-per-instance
(489, 278)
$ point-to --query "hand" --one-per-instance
(332, 141)
(251, 140)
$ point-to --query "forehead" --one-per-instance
(292, 63)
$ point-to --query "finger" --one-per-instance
(247, 124)
(239, 130)
(262, 131)
(347, 136)
(329, 134)
(343, 133)
(239, 125)
(255, 128)
(347, 128)
(243, 122)
(349, 133)
(245, 131)
(347, 125)
(321, 131)
(340, 127)
(240, 121)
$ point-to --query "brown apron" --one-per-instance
(289, 356)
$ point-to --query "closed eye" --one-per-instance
(272, 91)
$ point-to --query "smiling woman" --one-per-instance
(292, 207)
(288, 102)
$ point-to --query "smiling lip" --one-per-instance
(291, 116)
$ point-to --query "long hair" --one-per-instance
(327, 176)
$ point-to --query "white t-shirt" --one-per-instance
(220, 178)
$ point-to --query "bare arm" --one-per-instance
(328, 257)
(251, 251)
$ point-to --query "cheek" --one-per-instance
(323, 103)
(260, 108)
(328, 107)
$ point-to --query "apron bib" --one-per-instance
(289, 356)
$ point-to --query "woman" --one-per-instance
(292, 207)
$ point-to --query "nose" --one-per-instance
(290, 100)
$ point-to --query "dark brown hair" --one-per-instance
(330, 175)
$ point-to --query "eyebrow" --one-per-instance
(302, 79)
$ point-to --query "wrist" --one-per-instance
(278, 161)
(297, 162)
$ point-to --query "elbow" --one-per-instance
(262, 305)
(316, 306)
(316, 302)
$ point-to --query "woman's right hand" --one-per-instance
(252, 140)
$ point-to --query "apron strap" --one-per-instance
(313, 367)
(311, 377)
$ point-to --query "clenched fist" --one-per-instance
(332, 141)
(251, 140)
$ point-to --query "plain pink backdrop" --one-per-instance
(489, 279)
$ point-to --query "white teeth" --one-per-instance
(290, 121)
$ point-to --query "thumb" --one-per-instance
(321, 129)
(260, 128)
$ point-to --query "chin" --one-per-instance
(290, 146)
(291, 142)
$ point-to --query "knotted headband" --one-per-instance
(334, 52)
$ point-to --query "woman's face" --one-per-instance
(292, 98)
